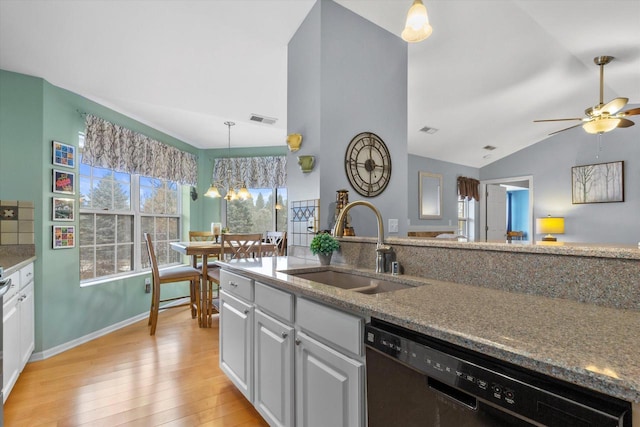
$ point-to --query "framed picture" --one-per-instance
(64, 182)
(598, 183)
(64, 236)
(63, 209)
(64, 155)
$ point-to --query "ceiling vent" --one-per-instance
(429, 130)
(489, 147)
(262, 119)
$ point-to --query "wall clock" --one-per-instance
(368, 164)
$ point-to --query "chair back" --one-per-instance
(246, 245)
(278, 239)
(515, 235)
(201, 236)
(155, 271)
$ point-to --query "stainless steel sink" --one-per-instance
(352, 282)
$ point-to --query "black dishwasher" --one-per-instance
(415, 380)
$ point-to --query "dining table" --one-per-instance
(205, 307)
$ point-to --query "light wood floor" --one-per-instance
(130, 378)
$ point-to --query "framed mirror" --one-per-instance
(430, 190)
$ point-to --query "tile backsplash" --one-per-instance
(16, 222)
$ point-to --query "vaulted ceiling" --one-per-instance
(184, 67)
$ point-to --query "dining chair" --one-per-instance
(180, 274)
(278, 239)
(245, 245)
(511, 235)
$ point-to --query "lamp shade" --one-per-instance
(550, 225)
(417, 27)
(601, 125)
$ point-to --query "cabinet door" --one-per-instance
(329, 386)
(273, 370)
(27, 333)
(10, 344)
(236, 339)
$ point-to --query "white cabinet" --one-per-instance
(18, 337)
(11, 344)
(273, 370)
(329, 386)
(236, 355)
(300, 363)
(27, 324)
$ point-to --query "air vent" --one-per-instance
(429, 130)
(489, 147)
(262, 119)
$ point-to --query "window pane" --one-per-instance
(125, 228)
(125, 258)
(282, 210)
(174, 228)
(86, 230)
(86, 263)
(105, 229)
(122, 196)
(105, 260)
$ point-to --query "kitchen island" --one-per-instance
(588, 345)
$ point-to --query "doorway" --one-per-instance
(507, 205)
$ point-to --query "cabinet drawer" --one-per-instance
(274, 301)
(336, 327)
(26, 275)
(237, 285)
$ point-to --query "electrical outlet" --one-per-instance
(147, 285)
(393, 225)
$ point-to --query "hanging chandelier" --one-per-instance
(232, 194)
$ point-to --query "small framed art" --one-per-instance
(64, 182)
(64, 236)
(63, 209)
(64, 155)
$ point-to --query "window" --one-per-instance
(466, 209)
(115, 210)
(259, 213)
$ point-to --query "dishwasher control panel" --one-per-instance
(484, 379)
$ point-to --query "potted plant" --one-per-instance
(324, 244)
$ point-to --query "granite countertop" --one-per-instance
(14, 257)
(588, 345)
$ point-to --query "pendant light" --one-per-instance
(417, 27)
(242, 194)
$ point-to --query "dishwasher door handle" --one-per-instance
(458, 396)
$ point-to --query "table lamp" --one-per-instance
(549, 226)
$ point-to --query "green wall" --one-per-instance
(32, 114)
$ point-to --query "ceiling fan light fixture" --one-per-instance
(601, 125)
(417, 27)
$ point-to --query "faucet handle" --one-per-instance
(384, 249)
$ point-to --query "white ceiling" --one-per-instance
(184, 67)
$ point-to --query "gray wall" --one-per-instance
(550, 163)
(346, 76)
(450, 173)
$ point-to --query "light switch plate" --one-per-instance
(393, 225)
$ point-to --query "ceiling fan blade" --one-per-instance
(562, 130)
(614, 105)
(631, 112)
(557, 120)
(625, 123)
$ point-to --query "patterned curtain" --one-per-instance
(113, 147)
(256, 172)
(468, 188)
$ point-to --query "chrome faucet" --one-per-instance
(381, 248)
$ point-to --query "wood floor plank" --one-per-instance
(130, 378)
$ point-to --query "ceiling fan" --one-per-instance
(603, 117)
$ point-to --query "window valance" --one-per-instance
(255, 172)
(468, 188)
(114, 147)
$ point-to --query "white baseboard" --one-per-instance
(41, 355)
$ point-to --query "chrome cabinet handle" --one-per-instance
(284, 335)
(233, 284)
(298, 342)
(246, 312)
